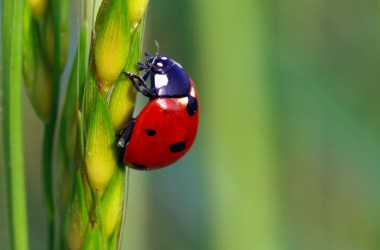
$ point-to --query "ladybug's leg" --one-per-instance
(140, 85)
(142, 66)
(140, 81)
(145, 76)
(125, 134)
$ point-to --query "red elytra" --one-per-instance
(163, 133)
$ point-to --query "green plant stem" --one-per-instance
(48, 144)
(12, 127)
(47, 158)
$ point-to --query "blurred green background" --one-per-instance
(288, 151)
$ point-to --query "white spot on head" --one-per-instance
(160, 64)
(192, 92)
(164, 58)
(160, 80)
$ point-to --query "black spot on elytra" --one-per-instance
(192, 105)
(177, 147)
(139, 166)
(150, 132)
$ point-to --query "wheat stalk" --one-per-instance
(96, 204)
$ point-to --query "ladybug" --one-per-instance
(167, 126)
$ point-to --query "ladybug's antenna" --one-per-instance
(157, 47)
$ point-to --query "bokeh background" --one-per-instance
(288, 151)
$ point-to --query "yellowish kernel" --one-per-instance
(100, 149)
(112, 42)
(122, 102)
(112, 203)
(136, 10)
(38, 7)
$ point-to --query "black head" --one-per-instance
(159, 64)
(167, 77)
